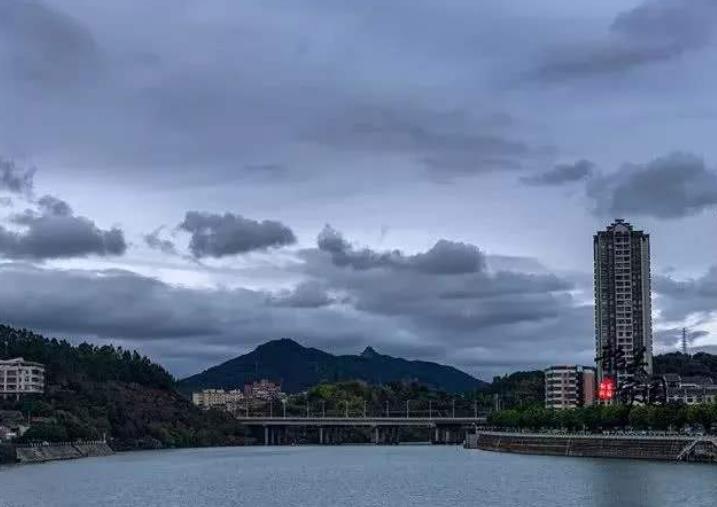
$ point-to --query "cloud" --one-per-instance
(53, 206)
(447, 143)
(655, 31)
(445, 288)
(673, 186)
(445, 257)
(562, 174)
(450, 315)
(672, 337)
(309, 294)
(155, 242)
(217, 236)
(689, 297)
(14, 179)
(54, 232)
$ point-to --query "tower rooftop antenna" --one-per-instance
(684, 340)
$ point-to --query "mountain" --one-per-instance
(298, 368)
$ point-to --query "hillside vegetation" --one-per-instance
(93, 392)
(700, 364)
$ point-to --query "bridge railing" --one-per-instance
(356, 409)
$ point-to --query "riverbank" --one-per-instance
(662, 448)
(37, 453)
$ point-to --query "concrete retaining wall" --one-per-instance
(41, 453)
(598, 446)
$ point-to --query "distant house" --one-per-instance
(19, 377)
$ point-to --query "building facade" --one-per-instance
(209, 398)
(569, 386)
(263, 390)
(690, 390)
(623, 304)
(19, 377)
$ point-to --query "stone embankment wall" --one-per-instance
(598, 446)
(69, 450)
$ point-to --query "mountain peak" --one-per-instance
(281, 343)
(369, 353)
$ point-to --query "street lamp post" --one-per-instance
(430, 408)
(323, 408)
(346, 409)
(407, 410)
(454, 408)
(283, 403)
(364, 409)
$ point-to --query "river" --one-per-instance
(355, 476)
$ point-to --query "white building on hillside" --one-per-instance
(18, 377)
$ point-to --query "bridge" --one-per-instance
(384, 430)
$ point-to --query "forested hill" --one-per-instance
(66, 363)
(700, 364)
(299, 368)
(94, 391)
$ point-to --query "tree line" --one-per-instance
(671, 417)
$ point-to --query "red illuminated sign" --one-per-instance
(606, 390)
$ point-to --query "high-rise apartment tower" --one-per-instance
(623, 308)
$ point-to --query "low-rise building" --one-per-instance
(569, 386)
(19, 377)
(690, 390)
(209, 398)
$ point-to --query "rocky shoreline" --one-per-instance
(40, 453)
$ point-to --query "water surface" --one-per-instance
(355, 476)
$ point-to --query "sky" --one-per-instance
(191, 179)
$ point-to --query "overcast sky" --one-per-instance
(192, 179)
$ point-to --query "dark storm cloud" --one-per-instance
(682, 298)
(562, 174)
(15, 180)
(44, 46)
(445, 257)
(55, 233)
(673, 186)
(655, 31)
(217, 236)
